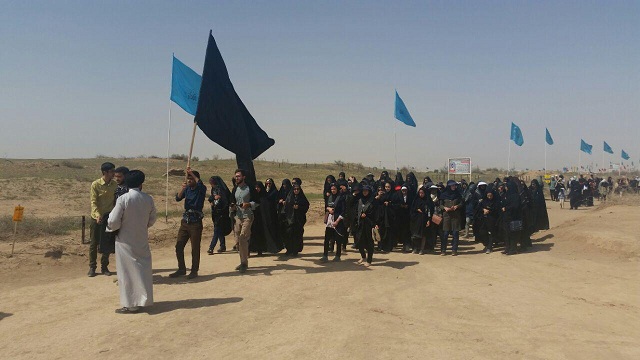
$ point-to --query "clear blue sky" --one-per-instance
(81, 78)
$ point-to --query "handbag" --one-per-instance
(515, 225)
(375, 235)
(436, 219)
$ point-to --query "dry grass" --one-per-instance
(33, 227)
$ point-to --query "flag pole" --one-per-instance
(509, 158)
(545, 157)
(166, 194)
(193, 137)
(395, 145)
(579, 161)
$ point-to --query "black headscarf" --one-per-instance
(399, 180)
(285, 188)
(449, 193)
(222, 187)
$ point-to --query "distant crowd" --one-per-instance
(581, 190)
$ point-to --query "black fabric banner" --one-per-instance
(222, 116)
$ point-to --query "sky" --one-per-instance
(87, 78)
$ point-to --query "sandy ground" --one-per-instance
(576, 295)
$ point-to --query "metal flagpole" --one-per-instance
(545, 157)
(395, 144)
(166, 195)
(509, 158)
(579, 161)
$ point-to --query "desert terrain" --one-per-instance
(574, 295)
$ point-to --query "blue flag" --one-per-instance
(624, 155)
(516, 135)
(402, 113)
(608, 148)
(585, 147)
(185, 86)
(549, 138)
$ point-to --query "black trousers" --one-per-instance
(367, 246)
(332, 237)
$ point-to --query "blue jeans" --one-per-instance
(454, 242)
(217, 235)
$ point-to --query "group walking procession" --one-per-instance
(367, 216)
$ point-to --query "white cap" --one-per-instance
(482, 183)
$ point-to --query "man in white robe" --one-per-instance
(132, 215)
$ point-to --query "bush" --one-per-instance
(182, 157)
(32, 226)
(72, 165)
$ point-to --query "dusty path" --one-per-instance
(570, 298)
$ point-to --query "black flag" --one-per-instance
(222, 116)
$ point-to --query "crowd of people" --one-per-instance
(380, 215)
(582, 190)
(372, 215)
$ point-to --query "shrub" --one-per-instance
(72, 165)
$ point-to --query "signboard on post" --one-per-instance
(17, 213)
(17, 217)
(459, 166)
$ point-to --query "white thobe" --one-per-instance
(133, 214)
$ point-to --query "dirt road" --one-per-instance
(576, 295)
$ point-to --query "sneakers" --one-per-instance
(361, 261)
(105, 271)
(210, 251)
(178, 273)
(324, 259)
(222, 249)
(454, 253)
(92, 272)
(192, 275)
(366, 264)
(336, 259)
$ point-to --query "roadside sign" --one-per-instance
(17, 213)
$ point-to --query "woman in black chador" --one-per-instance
(219, 201)
(421, 212)
(283, 192)
(486, 219)
(511, 219)
(384, 200)
(258, 242)
(540, 217)
(264, 228)
(295, 215)
(451, 201)
(367, 221)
